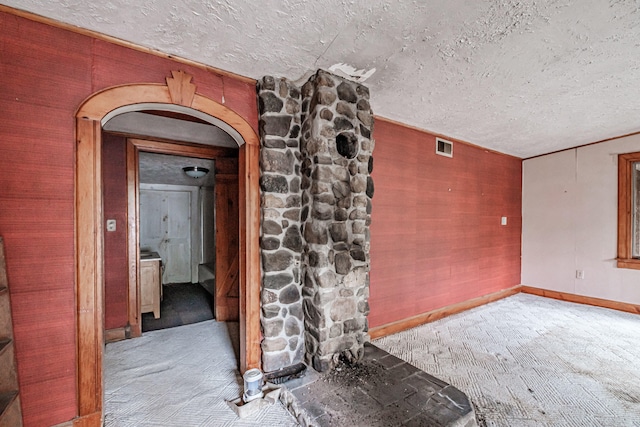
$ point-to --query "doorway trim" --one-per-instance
(134, 146)
(89, 226)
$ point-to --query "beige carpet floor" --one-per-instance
(532, 361)
(179, 377)
(523, 361)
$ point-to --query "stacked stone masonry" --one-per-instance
(316, 161)
(281, 241)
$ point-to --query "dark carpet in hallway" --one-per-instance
(183, 304)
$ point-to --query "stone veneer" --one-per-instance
(316, 210)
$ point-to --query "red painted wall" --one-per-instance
(116, 263)
(47, 72)
(436, 237)
(431, 247)
(45, 77)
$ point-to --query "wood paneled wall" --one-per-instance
(47, 73)
(116, 262)
(45, 77)
(436, 237)
(115, 65)
(431, 246)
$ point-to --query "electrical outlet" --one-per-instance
(503, 220)
(579, 274)
(111, 225)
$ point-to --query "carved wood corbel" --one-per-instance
(181, 89)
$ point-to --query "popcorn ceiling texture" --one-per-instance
(523, 77)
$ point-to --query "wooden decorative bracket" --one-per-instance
(181, 89)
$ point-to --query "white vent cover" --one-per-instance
(444, 147)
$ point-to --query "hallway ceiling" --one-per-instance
(157, 168)
(520, 77)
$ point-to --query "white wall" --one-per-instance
(569, 222)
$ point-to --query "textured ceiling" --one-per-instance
(166, 169)
(521, 77)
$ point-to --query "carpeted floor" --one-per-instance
(179, 377)
(183, 304)
(532, 361)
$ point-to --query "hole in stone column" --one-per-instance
(347, 144)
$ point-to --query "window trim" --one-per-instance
(625, 198)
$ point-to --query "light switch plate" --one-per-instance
(111, 225)
(503, 221)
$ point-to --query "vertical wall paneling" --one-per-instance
(116, 276)
(42, 86)
(115, 65)
(436, 233)
(48, 72)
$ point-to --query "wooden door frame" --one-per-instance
(134, 146)
(89, 227)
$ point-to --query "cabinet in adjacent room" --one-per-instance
(150, 283)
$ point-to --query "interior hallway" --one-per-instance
(532, 361)
(182, 304)
(179, 377)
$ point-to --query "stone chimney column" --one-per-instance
(336, 213)
(332, 190)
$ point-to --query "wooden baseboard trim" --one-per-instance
(91, 420)
(136, 331)
(117, 334)
(580, 299)
(431, 316)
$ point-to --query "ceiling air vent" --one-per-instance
(444, 147)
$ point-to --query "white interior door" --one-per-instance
(165, 227)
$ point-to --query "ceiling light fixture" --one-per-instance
(195, 171)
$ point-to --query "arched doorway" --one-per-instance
(180, 92)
